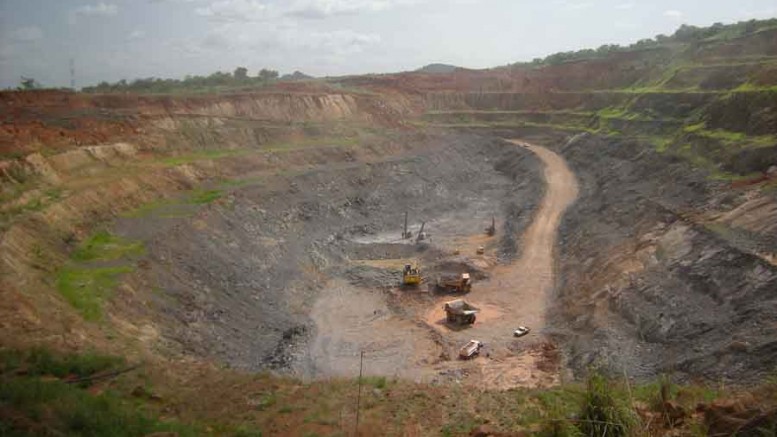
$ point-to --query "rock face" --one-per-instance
(651, 289)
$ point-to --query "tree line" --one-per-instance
(218, 80)
(684, 34)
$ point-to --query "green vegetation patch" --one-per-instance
(201, 197)
(215, 154)
(42, 362)
(619, 113)
(182, 207)
(84, 283)
(85, 288)
(749, 87)
(36, 203)
(731, 138)
(603, 412)
(728, 137)
(31, 405)
(104, 246)
(205, 155)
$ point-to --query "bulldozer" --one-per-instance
(411, 276)
(454, 284)
(460, 312)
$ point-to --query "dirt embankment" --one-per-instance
(53, 121)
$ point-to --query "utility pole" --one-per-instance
(404, 232)
(73, 74)
(359, 395)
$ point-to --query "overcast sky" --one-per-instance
(116, 39)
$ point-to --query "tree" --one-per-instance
(28, 83)
(268, 75)
(241, 73)
(687, 33)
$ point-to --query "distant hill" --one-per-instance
(297, 75)
(438, 69)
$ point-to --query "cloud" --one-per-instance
(625, 6)
(568, 5)
(98, 10)
(326, 8)
(19, 46)
(234, 10)
(338, 42)
(26, 34)
(673, 14)
(136, 35)
(15, 42)
(263, 10)
(760, 13)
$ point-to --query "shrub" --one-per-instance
(602, 414)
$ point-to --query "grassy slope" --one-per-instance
(40, 393)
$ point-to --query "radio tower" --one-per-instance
(73, 74)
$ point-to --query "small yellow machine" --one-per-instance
(411, 276)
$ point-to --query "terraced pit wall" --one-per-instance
(74, 162)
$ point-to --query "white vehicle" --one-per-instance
(521, 331)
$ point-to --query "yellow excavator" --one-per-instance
(411, 276)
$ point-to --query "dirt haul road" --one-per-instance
(517, 294)
(536, 264)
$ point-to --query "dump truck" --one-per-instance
(471, 349)
(454, 284)
(460, 312)
(411, 276)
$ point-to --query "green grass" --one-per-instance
(729, 137)
(516, 124)
(618, 113)
(205, 155)
(52, 407)
(85, 285)
(215, 154)
(180, 208)
(267, 400)
(661, 143)
(693, 128)
(378, 382)
(37, 203)
(227, 184)
(604, 412)
(147, 209)
(201, 197)
(85, 288)
(739, 138)
(104, 246)
(42, 362)
(748, 87)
